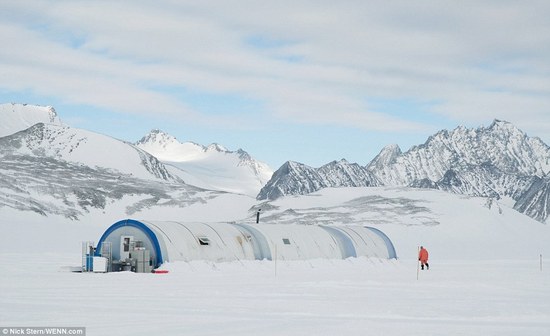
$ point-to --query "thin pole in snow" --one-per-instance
(541, 262)
(417, 263)
(275, 260)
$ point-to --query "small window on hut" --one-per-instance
(204, 241)
(286, 241)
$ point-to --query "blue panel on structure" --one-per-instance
(139, 225)
(391, 249)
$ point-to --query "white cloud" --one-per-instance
(478, 60)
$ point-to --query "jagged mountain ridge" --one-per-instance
(294, 178)
(501, 145)
(499, 161)
(53, 169)
(213, 166)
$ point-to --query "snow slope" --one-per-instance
(453, 226)
(86, 148)
(212, 167)
(58, 170)
(485, 276)
(17, 117)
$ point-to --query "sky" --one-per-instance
(308, 81)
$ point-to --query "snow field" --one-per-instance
(485, 276)
(317, 297)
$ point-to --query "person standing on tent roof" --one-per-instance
(423, 257)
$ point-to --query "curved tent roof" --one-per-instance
(172, 240)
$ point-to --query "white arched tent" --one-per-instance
(171, 241)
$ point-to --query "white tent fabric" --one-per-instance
(172, 241)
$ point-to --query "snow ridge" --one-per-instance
(212, 166)
(499, 161)
(85, 148)
(52, 169)
(17, 117)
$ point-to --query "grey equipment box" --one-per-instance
(142, 260)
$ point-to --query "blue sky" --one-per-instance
(310, 81)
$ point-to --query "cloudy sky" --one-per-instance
(310, 81)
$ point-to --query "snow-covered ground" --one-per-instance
(318, 297)
(452, 226)
(485, 276)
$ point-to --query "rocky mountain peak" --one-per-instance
(294, 178)
(499, 161)
(215, 147)
(498, 124)
(386, 156)
(157, 137)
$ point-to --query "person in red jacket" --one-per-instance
(423, 257)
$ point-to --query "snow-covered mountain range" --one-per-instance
(294, 178)
(51, 168)
(499, 161)
(212, 167)
(481, 249)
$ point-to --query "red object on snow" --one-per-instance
(423, 255)
(160, 271)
